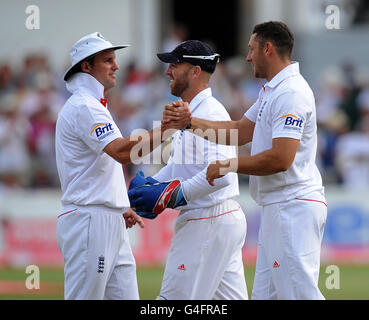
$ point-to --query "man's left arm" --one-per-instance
(277, 159)
(289, 115)
(178, 192)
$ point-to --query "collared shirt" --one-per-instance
(191, 155)
(88, 176)
(285, 109)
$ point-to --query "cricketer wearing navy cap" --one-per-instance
(195, 52)
(205, 258)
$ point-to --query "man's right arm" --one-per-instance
(136, 146)
(120, 149)
(236, 133)
(222, 132)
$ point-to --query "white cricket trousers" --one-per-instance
(289, 245)
(205, 258)
(98, 260)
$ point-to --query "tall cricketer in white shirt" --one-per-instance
(284, 179)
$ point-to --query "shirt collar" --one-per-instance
(291, 70)
(200, 97)
(84, 82)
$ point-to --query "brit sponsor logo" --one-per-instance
(292, 121)
(102, 130)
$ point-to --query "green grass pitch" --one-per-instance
(353, 283)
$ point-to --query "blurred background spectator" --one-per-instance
(15, 157)
(352, 156)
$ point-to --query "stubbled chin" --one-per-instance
(110, 85)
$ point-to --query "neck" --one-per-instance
(191, 93)
(276, 67)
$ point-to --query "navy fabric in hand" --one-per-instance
(147, 215)
(157, 197)
(140, 180)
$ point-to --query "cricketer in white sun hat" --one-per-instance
(85, 48)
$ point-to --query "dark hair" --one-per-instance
(277, 33)
(78, 67)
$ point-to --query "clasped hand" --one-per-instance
(177, 115)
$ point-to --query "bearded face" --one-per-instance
(179, 77)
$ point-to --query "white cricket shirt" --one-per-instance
(286, 108)
(88, 176)
(191, 155)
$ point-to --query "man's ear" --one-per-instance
(268, 48)
(196, 71)
(85, 67)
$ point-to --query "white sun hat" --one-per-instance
(87, 47)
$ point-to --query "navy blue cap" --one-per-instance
(195, 52)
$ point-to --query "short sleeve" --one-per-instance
(97, 128)
(252, 112)
(289, 116)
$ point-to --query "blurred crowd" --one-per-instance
(31, 98)
(342, 102)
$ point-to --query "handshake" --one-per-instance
(150, 197)
(177, 115)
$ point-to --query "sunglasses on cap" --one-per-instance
(212, 57)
